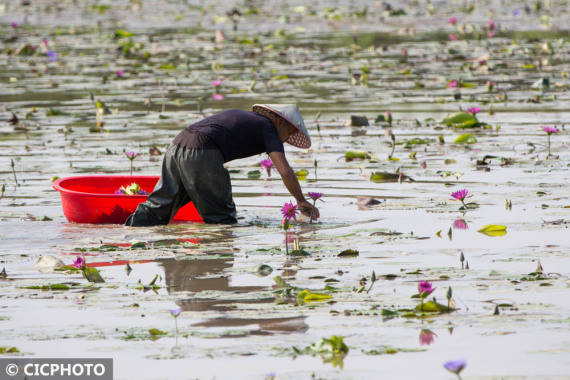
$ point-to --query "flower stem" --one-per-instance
(548, 145)
(131, 168)
(314, 204)
(286, 244)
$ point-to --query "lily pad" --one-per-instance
(350, 155)
(461, 120)
(465, 139)
(494, 230)
(348, 253)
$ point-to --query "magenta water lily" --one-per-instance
(427, 337)
(79, 262)
(549, 131)
(474, 110)
(289, 211)
(267, 164)
(461, 195)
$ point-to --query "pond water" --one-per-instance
(128, 75)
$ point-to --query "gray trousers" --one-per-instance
(196, 175)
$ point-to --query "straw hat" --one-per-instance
(290, 114)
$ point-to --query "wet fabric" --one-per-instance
(236, 133)
(189, 174)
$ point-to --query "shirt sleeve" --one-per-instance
(272, 140)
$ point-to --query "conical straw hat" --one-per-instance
(289, 113)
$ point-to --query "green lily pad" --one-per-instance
(254, 174)
(350, 155)
(92, 274)
(308, 296)
(465, 139)
(434, 307)
(348, 253)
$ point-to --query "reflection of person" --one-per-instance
(204, 275)
(192, 169)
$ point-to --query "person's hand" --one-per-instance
(309, 210)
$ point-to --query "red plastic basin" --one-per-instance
(91, 199)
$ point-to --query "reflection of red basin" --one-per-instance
(91, 199)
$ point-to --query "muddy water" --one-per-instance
(231, 325)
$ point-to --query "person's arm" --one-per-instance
(292, 184)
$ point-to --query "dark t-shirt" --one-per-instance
(236, 133)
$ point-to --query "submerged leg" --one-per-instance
(208, 184)
(166, 198)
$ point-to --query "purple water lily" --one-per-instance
(455, 366)
(175, 312)
(131, 156)
(15, 24)
(120, 73)
(51, 56)
(315, 196)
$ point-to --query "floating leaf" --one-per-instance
(379, 177)
(350, 155)
(263, 270)
(494, 230)
(156, 332)
(92, 275)
(461, 119)
(434, 307)
(465, 139)
(308, 296)
(348, 253)
(301, 174)
(254, 174)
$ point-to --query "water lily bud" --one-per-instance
(449, 293)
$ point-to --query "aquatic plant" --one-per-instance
(132, 189)
(549, 131)
(388, 117)
(474, 110)
(131, 156)
(267, 164)
(455, 366)
(79, 262)
(175, 313)
(452, 84)
(315, 165)
(452, 20)
(13, 166)
(315, 196)
(216, 95)
(120, 73)
(461, 195)
(289, 212)
(424, 289)
(490, 85)
(453, 37)
(14, 24)
(51, 56)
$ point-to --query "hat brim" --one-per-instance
(300, 139)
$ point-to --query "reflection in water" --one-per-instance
(210, 274)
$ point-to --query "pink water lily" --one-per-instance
(217, 83)
(425, 288)
(120, 73)
(267, 164)
(217, 96)
(453, 37)
(289, 211)
(15, 24)
(79, 262)
(550, 130)
(474, 110)
(131, 155)
(452, 84)
(460, 195)
(452, 20)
